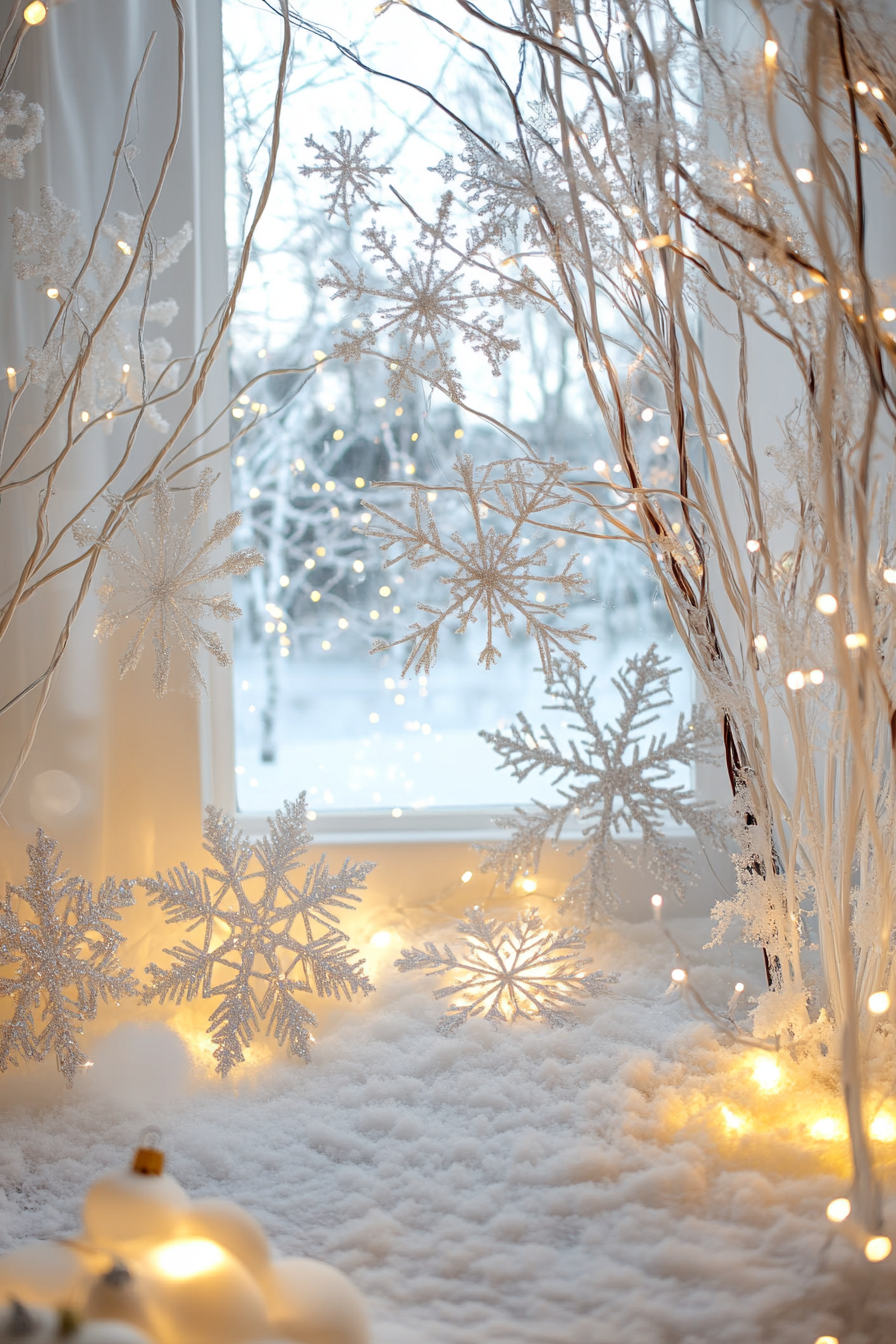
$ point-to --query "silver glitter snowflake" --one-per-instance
(509, 970)
(27, 119)
(166, 578)
(616, 782)
(284, 943)
(348, 169)
(65, 959)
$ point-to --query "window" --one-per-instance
(314, 708)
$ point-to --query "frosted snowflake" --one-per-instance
(28, 120)
(509, 970)
(492, 572)
(421, 305)
(166, 579)
(123, 367)
(259, 965)
(348, 169)
(615, 784)
(65, 959)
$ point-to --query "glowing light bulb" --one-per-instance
(124, 247)
(85, 416)
(760, 644)
(318, 355)
(647, 413)
(838, 1210)
(861, 86)
(358, 566)
(889, 576)
(798, 296)
(342, 623)
(845, 293)
(877, 93)
(804, 175)
(188, 1258)
(878, 1002)
(529, 884)
(877, 1249)
(359, 482)
(753, 545)
(656, 901)
(883, 1128)
(826, 603)
(856, 640)
(816, 676)
(52, 292)
(733, 1121)
(767, 1074)
(770, 51)
(381, 939)
(679, 975)
(825, 1128)
(467, 876)
(795, 681)
(35, 13)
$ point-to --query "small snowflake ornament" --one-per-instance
(508, 971)
(259, 951)
(349, 171)
(64, 959)
(164, 581)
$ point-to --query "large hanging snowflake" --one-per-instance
(509, 970)
(65, 959)
(284, 943)
(166, 579)
(615, 784)
(494, 572)
(348, 169)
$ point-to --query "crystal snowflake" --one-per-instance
(165, 580)
(509, 970)
(66, 959)
(615, 784)
(28, 119)
(259, 965)
(422, 304)
(348, 169)
(493, 572)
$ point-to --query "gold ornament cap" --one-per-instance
(149, 1160)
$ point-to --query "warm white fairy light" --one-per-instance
(856, 640)
(360, 482)
(760, 644)
(52, 292)
(877, 93)
(85, 416)
(877, 1249)
(342, 623)
(816, 676)
(770, 51)
(124, 247)
(795, 680)
(878, 1002)
(381, 939)
(374, 615)
(315, 596)
(656, 901)
(838, 1210)
(889, 576)
(647, 413)
(35, 13)
(467, 876)
(826, 1128)
(804, 175)
(529, 885)
(358, 566)
(753, 545)
(888, 314)
(845, 293)
(318, 355)
(679, 975)
(826, 603)
(798, 296)
(883, 1128)
(861, 86)
(767, 1074)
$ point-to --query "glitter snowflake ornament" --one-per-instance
(509, 970)
(349, 171)
(64, 959)
(616, 781)
(257, 956)
(165, 580)
(28, 120)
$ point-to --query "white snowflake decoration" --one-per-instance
(123, 368)
(509, 971)
(166, 581)
(29, 119)
(349, 171)
(285, 943)
(614, 783)
(65, 959)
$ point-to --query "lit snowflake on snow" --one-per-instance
(509, 971)
(66, 959)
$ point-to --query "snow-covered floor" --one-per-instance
(504, 1186)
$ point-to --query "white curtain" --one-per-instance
(117, 776)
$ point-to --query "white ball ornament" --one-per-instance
(315, 1303)
(198, 1293)
(45, 1273)
(124, 1208)
(230, 1226)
